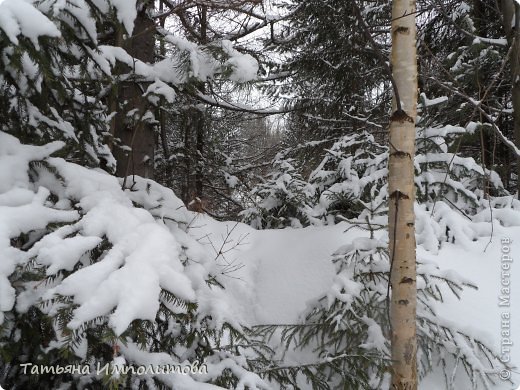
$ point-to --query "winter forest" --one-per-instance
(259, 194)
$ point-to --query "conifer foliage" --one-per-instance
(113, 275)
(106, 277)
(93, 274)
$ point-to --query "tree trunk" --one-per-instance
(515, 68)
(401, 218)
(201, 122)
(511, 18)
(187, 191)
(193, 123)
(160, 111)
(199, 158)
(136, 134)
(486, 138)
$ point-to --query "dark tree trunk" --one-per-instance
(134, 133)
(199, 173)
(200, 122)
(511, 21)
(193, 124)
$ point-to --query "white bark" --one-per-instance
(401, 197)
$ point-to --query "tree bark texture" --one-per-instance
(136, 134)
(193, 122)
(511, 21)
(401, 219)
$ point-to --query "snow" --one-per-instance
(231, 180)
(186, 382)
(432, 102)
(72, 12)
(150, 250)
(20, 17)
(63, 254)
(21, 216)
(478, 310)
(126, 13)
(288, 272)
(201, 65)
(375, 337)
(293, 267)
(14, 159)
(144, 257)
(288, 269)
(245, 67)
(161, 88)
(271, 276)
(54, 215)
(35, 117)
(443, 131)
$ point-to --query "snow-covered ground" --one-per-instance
(285, 269)
(270, 276)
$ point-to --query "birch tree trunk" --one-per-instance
(401, 217)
